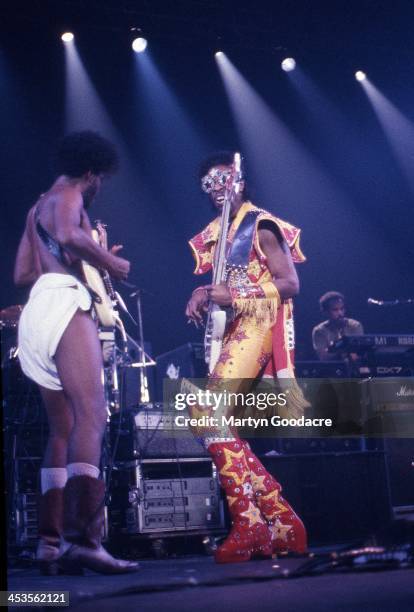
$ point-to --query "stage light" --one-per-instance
(288, 64)
(67, 37)
(218, 53)
(139, 44)
(360, 76)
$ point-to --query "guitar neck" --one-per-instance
(103, 241)
(219, 270)
(216, 316)
(108, 285)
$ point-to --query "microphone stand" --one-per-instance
(144, 359)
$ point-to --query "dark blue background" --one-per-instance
(346, 192)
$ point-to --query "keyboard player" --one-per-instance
(337, 325)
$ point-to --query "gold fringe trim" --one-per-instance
(262, 309)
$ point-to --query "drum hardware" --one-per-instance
(9, 317)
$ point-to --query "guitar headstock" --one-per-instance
(102, 233)
(237, 163)
(233, 182)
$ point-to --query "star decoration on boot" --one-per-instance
(232, 466)
(247, 489)
(274, 497)
(252, 514)
(258, 482)
(280, 531)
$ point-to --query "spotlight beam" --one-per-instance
(287, 178)
(85, 110)
(398, 130)
(168, 128)
(276, 156)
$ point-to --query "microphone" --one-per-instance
(397, 302)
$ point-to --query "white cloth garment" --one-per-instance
(82, 469)
(53, 301)
(52, 478)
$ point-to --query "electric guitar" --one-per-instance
(100, 282)
(216, 316)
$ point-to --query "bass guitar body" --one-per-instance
(213, 342)
(100, 283)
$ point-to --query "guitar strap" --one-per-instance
(50, 243)
(239, 253)
(58, 252)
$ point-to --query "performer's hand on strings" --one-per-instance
(196, 306)
(116, 248)
(118, 267)
(219, 294)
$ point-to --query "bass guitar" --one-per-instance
(217, 316)
(99, 281)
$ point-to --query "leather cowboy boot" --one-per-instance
(83, 515)
(249, 536)
(50, 512)
(288, 531)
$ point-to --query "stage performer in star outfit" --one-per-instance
(59, 349)
(258, 342)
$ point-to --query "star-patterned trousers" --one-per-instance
(247, 349)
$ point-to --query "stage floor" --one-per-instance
(198, 584)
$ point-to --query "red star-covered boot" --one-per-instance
(288, 531)
(249, 536)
